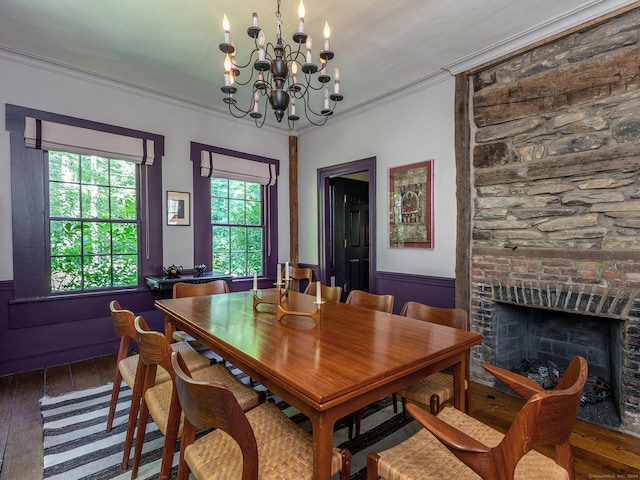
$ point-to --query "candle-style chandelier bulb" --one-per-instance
(284, 73)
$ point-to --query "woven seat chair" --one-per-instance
(327, 293)
(439, 384)
(183, 289)
(382, 303)
(127, 364)
(455, 445)
(261, 444)
(161, 401)
(298, 275)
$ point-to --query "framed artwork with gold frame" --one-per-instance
(411, 206)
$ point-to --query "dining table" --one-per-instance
(327, 359)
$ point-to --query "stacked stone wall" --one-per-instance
(555, 154)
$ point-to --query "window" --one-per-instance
(235, 211)
(237, 229)
(93, 226)
(86, 216)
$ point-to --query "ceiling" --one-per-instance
(170, 47)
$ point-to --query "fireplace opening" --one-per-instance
(534, 336)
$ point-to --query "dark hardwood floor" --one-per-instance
(598, 452)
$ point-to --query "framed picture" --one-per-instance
(411, 206)
(178, 208)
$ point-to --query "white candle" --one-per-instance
(318, 293)
(255, 282)
(301, 16)
(309, 43)
(336, 84)
(226, 27)
(254, 20)
(279, 274)
(256, 100)
(327, 33)
(286, 271)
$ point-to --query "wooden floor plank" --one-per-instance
(57, 380)
(23, 455)
(7, 395)
(85, 374)
(106, 366)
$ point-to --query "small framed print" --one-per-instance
(411, 206)
(178, 208)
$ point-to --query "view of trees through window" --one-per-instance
(93, 225)
(237, 229)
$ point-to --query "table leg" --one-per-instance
(459, 376)
(323, 425)
(169, 328)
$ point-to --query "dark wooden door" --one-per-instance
(350, 234)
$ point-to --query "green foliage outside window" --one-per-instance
(237, 229)
(93, 226)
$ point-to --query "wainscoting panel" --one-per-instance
(434, 291)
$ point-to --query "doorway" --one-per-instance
(352, 267)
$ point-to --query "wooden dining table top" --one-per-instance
(325, 361)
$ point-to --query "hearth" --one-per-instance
(549, 339)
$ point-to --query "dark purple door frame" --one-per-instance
(324, 175)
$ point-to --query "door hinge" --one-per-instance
(345, 199)
(345, 243)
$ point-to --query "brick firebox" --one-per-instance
(590, 283)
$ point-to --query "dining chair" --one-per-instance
(184, 289)
(439, 384)
(455, 445)
(298, 275)
(127, 363)
(326, 292)
(161, 401)
(383, 303)
(270, 444)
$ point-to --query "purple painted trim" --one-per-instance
(202, 212)
(15, 122)
(324, 175)
(434, 291)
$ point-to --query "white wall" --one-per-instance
(410, 129)
(45, 87)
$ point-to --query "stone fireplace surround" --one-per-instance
(590, 283)
(549, 188)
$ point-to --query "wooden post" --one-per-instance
(463, 192)
(293, 201)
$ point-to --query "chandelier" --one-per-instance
(280, 75)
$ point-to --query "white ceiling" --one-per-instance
(170, 47)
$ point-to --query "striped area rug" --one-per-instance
(76, 445)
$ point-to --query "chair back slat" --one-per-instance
(547, 418)
(382, 303)
(154, 348)
(182, 289)
(297, 275)
(450, 317)
(326, 292)
(210, 404)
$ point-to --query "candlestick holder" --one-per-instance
(257, 300)
(281, 311)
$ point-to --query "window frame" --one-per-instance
(202, 235)
(82, 220)
(29, 224)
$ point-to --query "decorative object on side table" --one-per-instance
(199, 269)
(173, 271)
